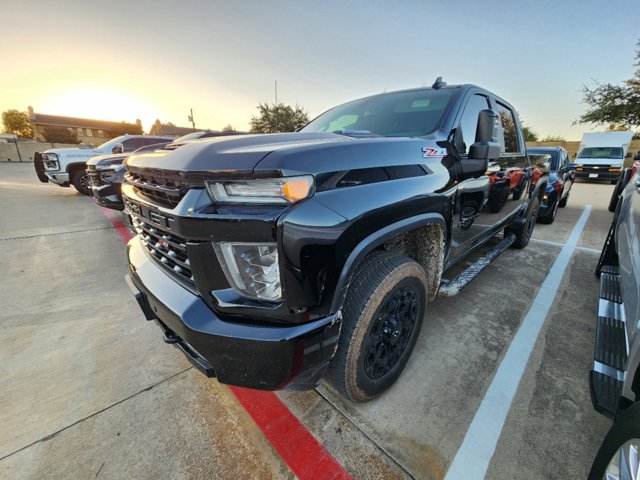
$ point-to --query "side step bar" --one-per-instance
(449, 288)
(611, 345)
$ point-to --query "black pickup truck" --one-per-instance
(273, 261)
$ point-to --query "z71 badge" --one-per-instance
(430, 152)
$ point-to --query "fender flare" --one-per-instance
(370, 243)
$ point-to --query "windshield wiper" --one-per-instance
(354, 133)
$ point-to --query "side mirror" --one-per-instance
(570, 165)
(486, 146)
(119, 148)
(637, 157)
(628, 155)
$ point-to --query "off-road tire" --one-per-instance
(80, 181)
(523, 232)
(378, 279)
(625, 428)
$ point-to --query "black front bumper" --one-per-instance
(38, 164)
(108, 195)
(252, 355)
(600, 173)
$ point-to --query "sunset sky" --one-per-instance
(125, 60)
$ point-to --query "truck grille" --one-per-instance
(161, 190)
(168, 249)
(94, 176)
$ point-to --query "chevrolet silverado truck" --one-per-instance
(274, 261)
(615, 377)
(106, 173)
(66, 166)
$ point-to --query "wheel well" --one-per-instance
(425, 245)
(73, 168)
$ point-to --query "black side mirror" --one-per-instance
(628, 155)
(637, 157)
(119, 148)
(486, 146)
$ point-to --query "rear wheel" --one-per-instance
(619, 454)
(382, 316)
(80, 181)
(525, 229)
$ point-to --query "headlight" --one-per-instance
(616, 165)
(251, 268)
(108, 175)
(274, 190)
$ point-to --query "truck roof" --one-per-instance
(607, 139)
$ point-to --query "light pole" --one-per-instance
(193, 123)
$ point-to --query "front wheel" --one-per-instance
(619, 454)
(382, 316)
(551, 216)
(80, 181)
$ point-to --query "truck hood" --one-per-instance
(75, 152)
(288, 154)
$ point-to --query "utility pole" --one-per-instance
(276, 111)
(193, 123)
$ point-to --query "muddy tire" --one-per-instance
(80, 181)
(382, 316)
(524, 231)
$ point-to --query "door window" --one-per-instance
(509, 139)
(466, 133)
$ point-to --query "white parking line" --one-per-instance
(558, 244)
(479, 444)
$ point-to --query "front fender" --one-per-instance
(373, 241)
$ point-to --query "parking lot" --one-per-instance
(90, 390)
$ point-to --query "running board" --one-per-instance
(611, 345)
(449, 288)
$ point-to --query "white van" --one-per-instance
(601, 154)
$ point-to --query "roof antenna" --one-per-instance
(438, 83)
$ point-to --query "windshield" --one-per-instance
(188, 136)
(551, 156)
(404, 114)
(109, 144)
(601, 152)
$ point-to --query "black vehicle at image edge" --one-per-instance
(275, 260)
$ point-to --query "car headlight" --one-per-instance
(108, 175)
(251, 268)
(273, 190)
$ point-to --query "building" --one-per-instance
(87, 131)
(169, 129)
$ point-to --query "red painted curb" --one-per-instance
(305, 456)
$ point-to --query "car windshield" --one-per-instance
(601, 152)
(403, 114)
(551, 157)
(109, 144)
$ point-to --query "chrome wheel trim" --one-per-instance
(624, 465)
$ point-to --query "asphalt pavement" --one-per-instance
(89, 390)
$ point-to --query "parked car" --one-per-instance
(615, 377)
(273, 261)
(622, 181)
(66, 166)
(555, 162)
(106, 173)
(601, 155)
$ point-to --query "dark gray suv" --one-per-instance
(615, 377)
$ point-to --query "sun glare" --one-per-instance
(98, 103)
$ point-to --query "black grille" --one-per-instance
(94, 176)
(168, 249)
(160, 190)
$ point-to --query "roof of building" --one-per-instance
(42, 119)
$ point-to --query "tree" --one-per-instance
(17, 122)
(554, 138)
(278, 118)
(614, 104)
(56, 134)
(529, 135)
(228, 128)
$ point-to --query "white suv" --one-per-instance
(66, 166)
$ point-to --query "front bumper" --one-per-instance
(108, 196)
(61, 178)
(597, 174)
(252, 355)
